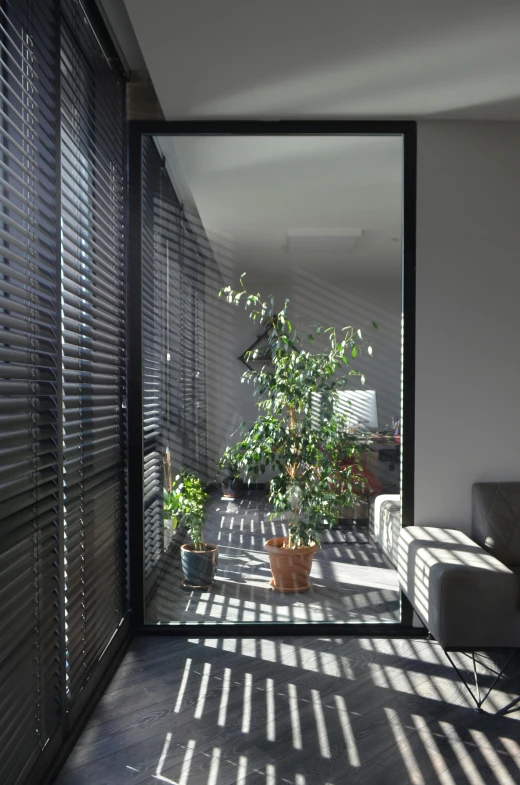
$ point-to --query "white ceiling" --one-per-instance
(306, 59)
(331, 58)
(251, 191)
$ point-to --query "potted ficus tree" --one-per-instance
(300, 433)
(232, 485)
(185, 501)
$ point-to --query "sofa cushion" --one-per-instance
(464, 596)
(496, 519)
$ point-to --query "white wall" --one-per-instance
(468, 314)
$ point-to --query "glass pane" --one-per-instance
(276, 393)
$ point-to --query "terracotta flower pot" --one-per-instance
(290, 567)
(199, 567)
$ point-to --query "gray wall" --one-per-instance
(468, 314)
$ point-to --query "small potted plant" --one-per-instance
(232, 485)
(185, 501)
(299, 433)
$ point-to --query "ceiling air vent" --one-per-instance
(323, 240)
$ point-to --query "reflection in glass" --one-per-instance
(315, 220)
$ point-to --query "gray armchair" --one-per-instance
(466, 590)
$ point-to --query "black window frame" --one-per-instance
(137, 130)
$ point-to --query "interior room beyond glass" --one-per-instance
(315, 224)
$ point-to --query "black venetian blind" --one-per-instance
(62, 374)
(161, 394)
(193, 351)
(93, 334)
(174, 360)
(30, 657)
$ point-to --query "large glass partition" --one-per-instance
(271, 271)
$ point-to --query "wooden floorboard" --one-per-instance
(352, 581)
(295, 711)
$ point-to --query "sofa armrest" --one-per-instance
(464, 596)
(385, 524)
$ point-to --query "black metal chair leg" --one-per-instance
(475, 676)
(499, 674)
(477, 699)
(480, 661)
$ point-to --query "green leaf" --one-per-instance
(310, 337)
(354, 351)
(374, 325)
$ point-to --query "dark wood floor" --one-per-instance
(295, 711)
(351, 581)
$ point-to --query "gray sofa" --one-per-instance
(466, 590)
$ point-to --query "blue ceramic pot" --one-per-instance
(199, 567)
